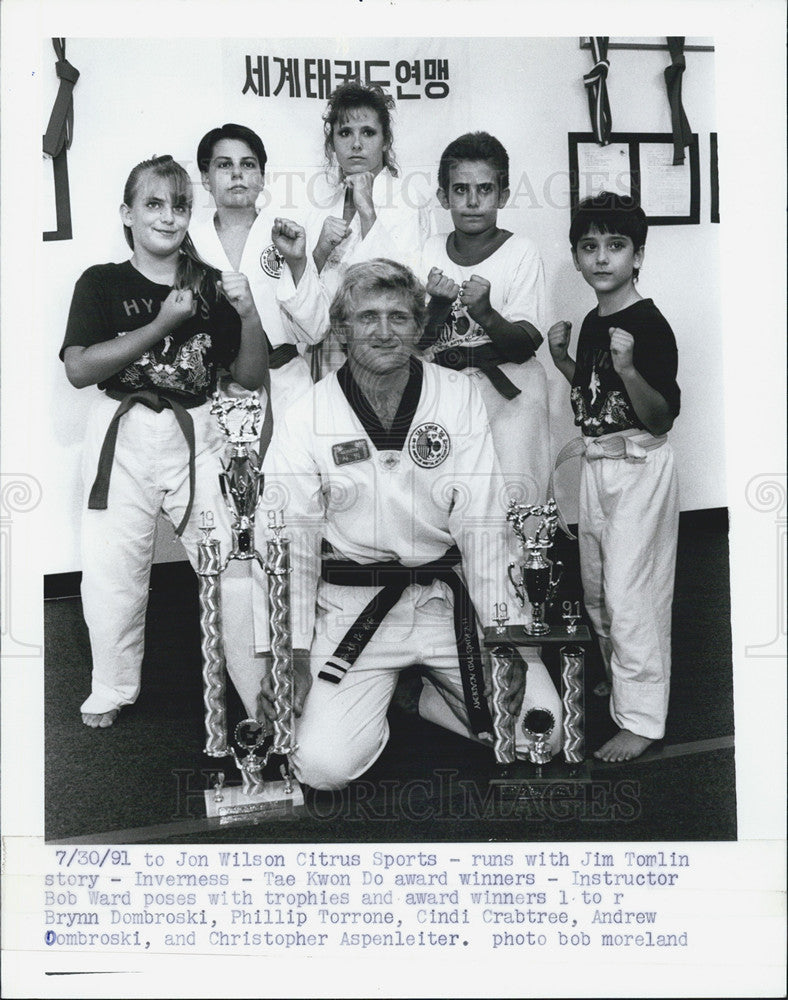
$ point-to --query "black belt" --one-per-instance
(156, 401)
(394, 578)
(280, 356)
(486, 358)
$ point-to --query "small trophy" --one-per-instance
(241, 482)
(539, 575)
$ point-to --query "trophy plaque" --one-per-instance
(241, 482)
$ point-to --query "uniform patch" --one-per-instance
(429, 445)
(350, 451)
(271, 261)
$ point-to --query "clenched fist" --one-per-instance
(558, 337)
(441, 287)
(179, 305)
(289, 239)
(361, 186)
(622, 346)
(475, 296)
(237, 292)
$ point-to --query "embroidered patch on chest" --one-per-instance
(350, 451)
(271, 261)
(429, 445)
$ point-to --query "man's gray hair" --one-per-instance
(375, 275)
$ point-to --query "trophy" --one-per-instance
(538, 725)
(537, 581)
(539, 575)
(241, 481)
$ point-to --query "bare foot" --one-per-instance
(623, 746)
(101, 721)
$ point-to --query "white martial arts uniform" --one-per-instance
(629, 514)
(292, 379)
(430, 484)
(149, 474)
(520, 426)
(403, 222)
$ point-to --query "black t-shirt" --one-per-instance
(113, 299)
(599, 399)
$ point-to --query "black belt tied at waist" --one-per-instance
(156, 401)
(282, 355)
(394, 578)
(486, 358)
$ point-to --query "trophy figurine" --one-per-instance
(241, 481)
(539, 575)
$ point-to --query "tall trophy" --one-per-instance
(539, 576)
(241, 482)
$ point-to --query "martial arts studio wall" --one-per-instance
(138, 97)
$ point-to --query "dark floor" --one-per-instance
(142, 780)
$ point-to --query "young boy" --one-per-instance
(486, 289)
(625, 399)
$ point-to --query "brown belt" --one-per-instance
(156, 401)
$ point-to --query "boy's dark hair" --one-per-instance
(609, 213)
(350, 96)
(230, 131)
(474, 146)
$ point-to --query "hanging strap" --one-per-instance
(682, 133)
(596, 88)
(60, 130)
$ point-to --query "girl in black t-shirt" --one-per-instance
(152, 332)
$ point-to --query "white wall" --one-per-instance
(139, 97)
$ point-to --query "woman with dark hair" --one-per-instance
(364, 209)
(235, 235)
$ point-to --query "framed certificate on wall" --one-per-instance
(639, 164)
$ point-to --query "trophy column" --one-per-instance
(214, 674)
(502, 719)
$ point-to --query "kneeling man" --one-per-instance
(388, 481)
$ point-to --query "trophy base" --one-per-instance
(273, 802)
(555, 781)
(536, 628)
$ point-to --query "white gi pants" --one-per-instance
(150, 474)
(343, 728)
(628, 529)
(519, 429)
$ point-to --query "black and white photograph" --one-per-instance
(393, 499)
